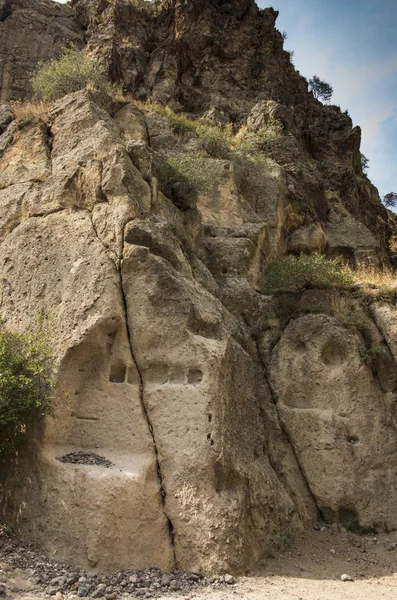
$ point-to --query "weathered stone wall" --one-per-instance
(231, 418)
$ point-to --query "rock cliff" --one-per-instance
(232, 418)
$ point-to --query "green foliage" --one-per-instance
(320, 88)
(390, 200)
(71, 72)
(181, 125)
(215, 140)
(352, 316)
(363, 163)
(198, 172)
(297, 273)
(26, 384)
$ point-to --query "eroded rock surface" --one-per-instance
(337, 420)
(30, 31)
(231, 418)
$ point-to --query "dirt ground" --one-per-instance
(310, 569)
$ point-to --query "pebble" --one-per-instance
(61, 582)
(99, 592)
(229, 579)
(392, 546)
(85, 458)
(58, 581)
(346, 577)
(165, 580)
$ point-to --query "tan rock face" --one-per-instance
(73, 275)
(334, 412)
(160, 334)
(231, 418)
(153, 371)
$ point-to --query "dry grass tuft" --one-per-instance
(30, 110)
(384, 277)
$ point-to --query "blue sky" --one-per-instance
(352, 44)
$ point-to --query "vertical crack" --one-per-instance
(118, 265)
(147, 417)
(293, 449)
(288, 438)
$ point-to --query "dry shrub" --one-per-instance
(30, 110)
(380, 277)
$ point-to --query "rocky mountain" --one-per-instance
(232, 417)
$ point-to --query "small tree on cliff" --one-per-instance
(320, 88)
(390, 200)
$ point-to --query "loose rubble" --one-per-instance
(85, 458)
(58, 580)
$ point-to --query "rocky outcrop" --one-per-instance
(182, 55)
(231, 418)
(148, 362)
(30, 31)
(171, 362)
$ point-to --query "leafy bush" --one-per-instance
(297, 273)
(181, 125)
(71, 72)
(199, 172)
(26, 384)
(216, 141)
(370, 355)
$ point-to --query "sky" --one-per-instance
(351, 44)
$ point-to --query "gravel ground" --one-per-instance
(22, 568)
(326, 563)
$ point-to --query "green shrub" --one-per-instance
(216, 141)
(181, 125)
(71, 72)
(197, 172)
(297, 273)
(26, 384)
